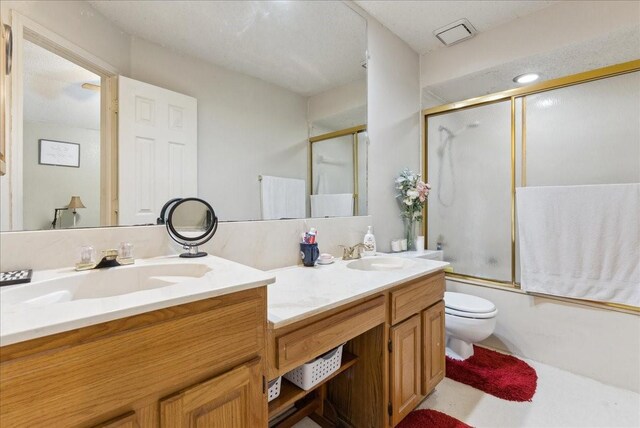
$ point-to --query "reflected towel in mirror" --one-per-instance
(282, 197)
(332, 205)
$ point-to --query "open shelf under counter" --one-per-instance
(290, 393)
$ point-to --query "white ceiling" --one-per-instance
(613, 48)
(307, 47)
(415, 21)
(53, 90)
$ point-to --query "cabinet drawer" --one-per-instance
(416, 296)
(308, 342)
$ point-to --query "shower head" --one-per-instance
(447, 130)
(452, 134)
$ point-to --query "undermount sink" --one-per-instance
(381, 264)
(102, 283)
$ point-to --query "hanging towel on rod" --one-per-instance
(581, 241)
(282, 197)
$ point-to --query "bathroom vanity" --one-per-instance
(196, 357)
(165, 343)
(390, 313)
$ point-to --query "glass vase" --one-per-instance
(410, 233)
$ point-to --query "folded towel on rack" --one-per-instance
(282, 197)
(581, 241)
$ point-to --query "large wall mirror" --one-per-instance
(258, 107)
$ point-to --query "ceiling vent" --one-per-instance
(455, 32)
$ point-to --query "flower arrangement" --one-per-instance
(412, 197)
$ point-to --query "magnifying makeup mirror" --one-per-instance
(191, 222)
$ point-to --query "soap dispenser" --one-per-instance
(369, 243)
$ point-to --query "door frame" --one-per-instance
(24, 28)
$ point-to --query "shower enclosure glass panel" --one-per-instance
(338, 183)
(584, 134)
(469, 207)
(333, 166)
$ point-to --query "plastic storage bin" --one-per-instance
(312, 373)
(274, 388)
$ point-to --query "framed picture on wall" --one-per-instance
(59, 153)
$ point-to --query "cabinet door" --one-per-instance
(128, 420)
(232, 400)
(433, 347)
(405, 368)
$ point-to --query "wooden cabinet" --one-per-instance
(226, 401)
(194, 362)
(416, 343)
(406, 362)
(128, 420)
(433, 347)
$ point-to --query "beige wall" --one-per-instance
(345, 106)
(246, 127)
(48, 187)
(260, 244)
(393, 125)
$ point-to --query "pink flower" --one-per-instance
(423, 190)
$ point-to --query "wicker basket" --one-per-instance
(310, 374)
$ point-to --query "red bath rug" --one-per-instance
(430, 419)
(504, 376)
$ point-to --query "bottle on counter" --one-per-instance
(369, 243)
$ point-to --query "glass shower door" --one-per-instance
(469, 169)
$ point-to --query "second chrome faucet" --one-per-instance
(351, 253)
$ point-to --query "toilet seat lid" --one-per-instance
(473, 315)
(466, 303)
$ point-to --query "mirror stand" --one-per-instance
(190, 222)
(192, 252)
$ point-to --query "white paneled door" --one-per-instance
(157, 149)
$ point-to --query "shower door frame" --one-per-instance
(353, 131)
(513, 95)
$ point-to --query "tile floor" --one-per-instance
(562, 400)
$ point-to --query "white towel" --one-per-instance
(332, 205)
(282, 198)
(581, 241)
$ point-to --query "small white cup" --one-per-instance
(420, 243)
(396, 246)
(403, 244)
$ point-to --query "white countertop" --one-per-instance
(421, 254)
(300, 292)
(22, 321)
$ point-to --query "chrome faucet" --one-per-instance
(351, 253)
(110, 258)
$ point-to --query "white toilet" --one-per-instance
(468, 320)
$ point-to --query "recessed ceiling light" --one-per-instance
(526, 78)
